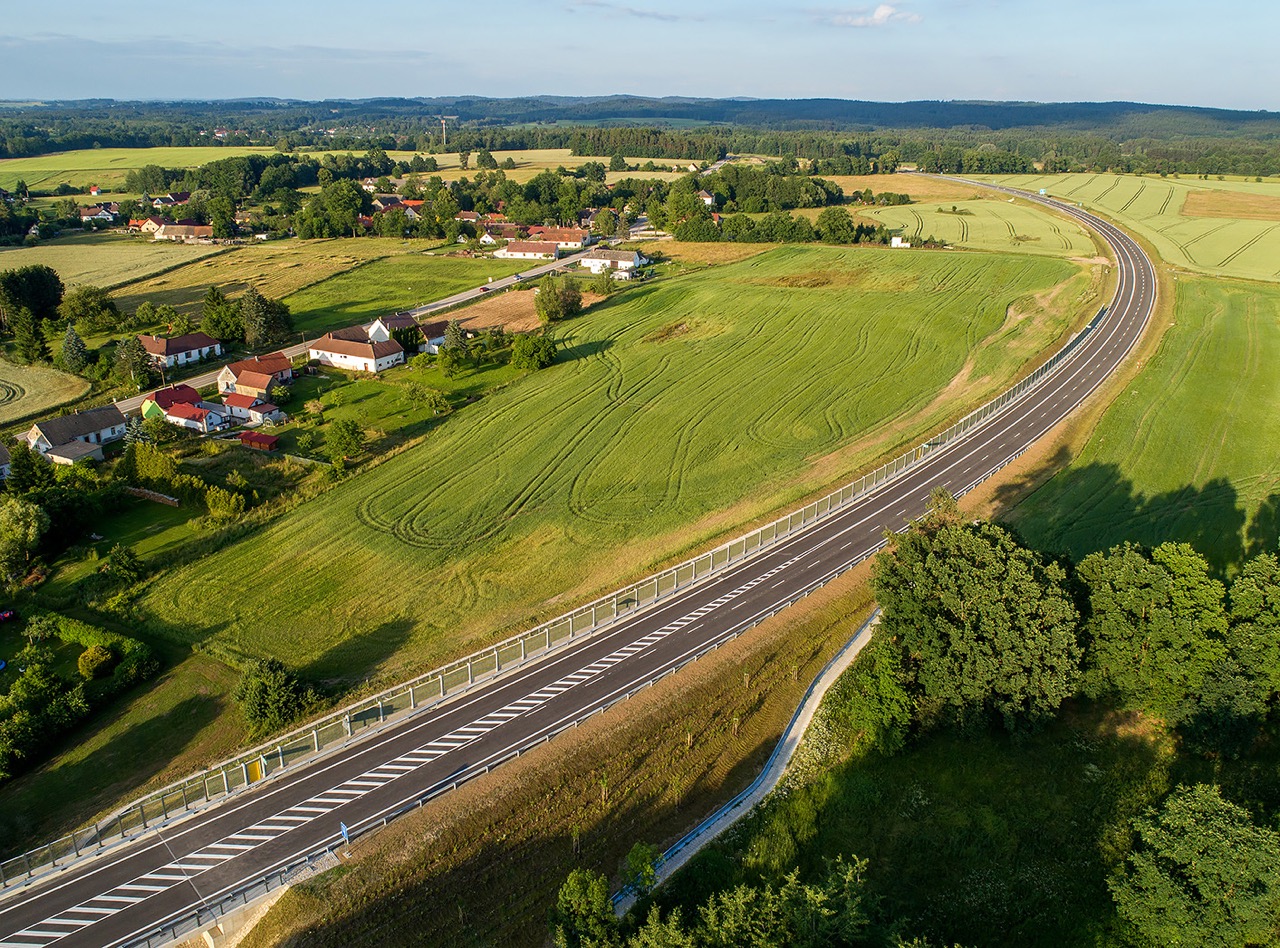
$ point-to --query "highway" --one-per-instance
(127, 893)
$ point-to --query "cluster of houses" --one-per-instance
(244, 390)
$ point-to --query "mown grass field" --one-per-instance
(1224, 228)
(26, 389)
(1188, 450)
(277, 268)
(392, 283)
(987, 223)
(104, 259)
(721, 391)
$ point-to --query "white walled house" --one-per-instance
(351, 349)
(622, 262)
(529, 250)
(204, 417)
(181, 350)
(899, 243)
(96, 426)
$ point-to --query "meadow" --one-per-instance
(678, 411)
(1224, 228)
(986, 223)
(1188, 450)
(108, 260)
(28, 389)
(389, 284)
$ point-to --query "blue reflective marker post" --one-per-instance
(346, 833)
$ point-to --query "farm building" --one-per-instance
(529, 250)
(184, 233)
(256, 376)
(96, 213)
(355, 350)
(159, 402)
(565, 238)
(95, 426)
(258, 441)
(181, 350)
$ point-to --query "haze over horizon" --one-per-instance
(1144, 51)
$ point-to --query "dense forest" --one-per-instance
(952, 136)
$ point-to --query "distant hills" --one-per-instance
(1125, 119)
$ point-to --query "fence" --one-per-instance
(339, 728)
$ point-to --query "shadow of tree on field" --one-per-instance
(1093, 507)
(358, 655)
(56, 797)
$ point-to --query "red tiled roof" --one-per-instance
(257, 439)
(190, 412)
(259, 380)
(532, 246)
(239, 400)
(167, 347)
(166, 398)
(274, 363)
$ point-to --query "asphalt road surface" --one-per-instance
(127, 893)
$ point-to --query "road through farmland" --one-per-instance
(153, 887)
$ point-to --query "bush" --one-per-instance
(533, 352)
(271, 696)
(95, 661)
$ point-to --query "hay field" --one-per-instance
(277, 268)
(676, 412)
(1223, 228)
(104, 259)
(989, 223)
(920, 187)
(27, 389)
(1188, 451)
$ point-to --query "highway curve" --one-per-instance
(125, 895)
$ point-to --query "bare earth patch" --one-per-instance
(1232, 204)
(513, 311)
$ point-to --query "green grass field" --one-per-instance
(27, 389)
(671, 405)
(1226, 228)
(104, 259)
(390, 284)
(1188, 450)
(986, 224)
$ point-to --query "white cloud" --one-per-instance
(882, 15)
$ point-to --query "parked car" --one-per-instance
(7, 615)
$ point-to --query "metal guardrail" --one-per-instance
(339, 728)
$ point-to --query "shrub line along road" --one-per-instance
(134, 402)
(162, 879)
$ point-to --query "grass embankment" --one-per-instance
(680, 412)
(104, 259)
(1223, 228)
(482, 866)
(1187, 450)
(28, 389)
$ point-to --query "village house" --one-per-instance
(256, 376)
(204, 417)
(433, 336)
(183, 233)
(385, 327)
(69, 438)
(158, 403)
(354, 350)
(172, 199)
(529, 250)
(707, 198)
(467, 217)
(239, 406)
(147, 225)
(181, 350)
(383, 202)
(96, 213)
(569, 239)
(623, 263)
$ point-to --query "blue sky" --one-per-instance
(1172, 51)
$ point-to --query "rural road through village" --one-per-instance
(148, 891)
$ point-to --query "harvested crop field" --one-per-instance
(639, 443)
(1232, 204)
(28, 389)
(104, 259)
